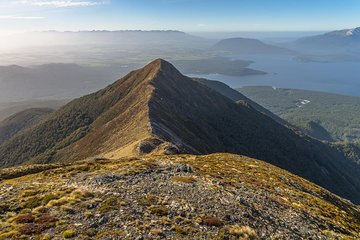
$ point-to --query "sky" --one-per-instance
(184, 15)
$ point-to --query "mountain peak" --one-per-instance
(161, 73)
(160, 64)
(353, 32)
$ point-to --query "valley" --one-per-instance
(179, 120)
(337, 114)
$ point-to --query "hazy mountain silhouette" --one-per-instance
(249, 46)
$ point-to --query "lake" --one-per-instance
(286, 72)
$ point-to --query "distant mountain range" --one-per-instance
(341, 39)
(126, 38)
(54, 81)
(157, 110)
(249, 46)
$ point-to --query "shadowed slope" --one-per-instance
(237, 96)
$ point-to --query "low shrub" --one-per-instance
(183, 179)
(212, 222)
(70, 233)
(158, 210)
(26, 218)
(237, 232)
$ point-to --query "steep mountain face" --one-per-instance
(249, 46)
(218, 196)
(350, 150)
(157, 110)
(316, 131)
(21, 121)
(236, 96)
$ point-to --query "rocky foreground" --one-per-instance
(219, 196)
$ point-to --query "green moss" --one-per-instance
(110, 204)
(44, 237)
(70, 233)
(9, 235)
(110, 233)
(47, 198)
(25, 211)
(32, 202)
(90, 232)
(29, 193)
(58, 202)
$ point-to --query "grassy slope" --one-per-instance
(73, 121)
(224, 193)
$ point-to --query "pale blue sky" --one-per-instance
(185, 15)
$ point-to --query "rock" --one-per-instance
(171, 150)
(148, 145)
(94, 225)
(184, 168)
(103, 220)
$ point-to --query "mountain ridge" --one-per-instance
(157, 110)
(341, 39)
(352, 32)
